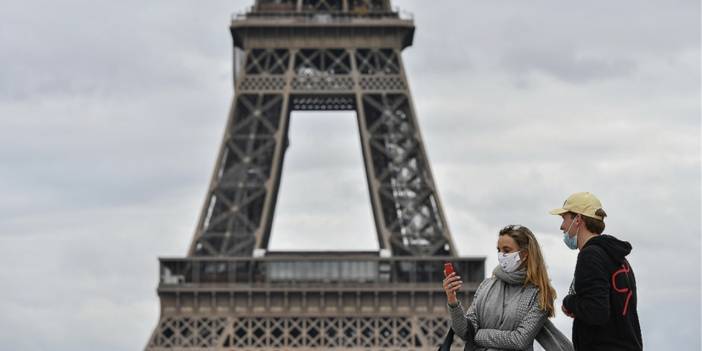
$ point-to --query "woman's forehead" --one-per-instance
(506, 240)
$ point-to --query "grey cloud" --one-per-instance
(576, 43)
(104, 48)
(111, 114)
(566, 66)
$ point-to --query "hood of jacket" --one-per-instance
(615, 248)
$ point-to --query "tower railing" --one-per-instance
(251, 13)
(323, 270)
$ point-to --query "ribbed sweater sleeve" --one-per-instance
(463, 323)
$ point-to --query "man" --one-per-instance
(602, 296)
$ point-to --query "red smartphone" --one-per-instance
(448, 269)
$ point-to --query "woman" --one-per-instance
(511, 308)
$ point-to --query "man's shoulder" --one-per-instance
(593, 255)
(592, 250)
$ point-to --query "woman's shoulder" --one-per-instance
(531, 287)
(531, 293)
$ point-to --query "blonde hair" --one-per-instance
(535, 265)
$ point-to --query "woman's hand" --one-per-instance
(452, 283)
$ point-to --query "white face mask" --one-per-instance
(509, 261)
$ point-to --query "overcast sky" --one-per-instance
(111, 114)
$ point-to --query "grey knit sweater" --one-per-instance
(500, 304)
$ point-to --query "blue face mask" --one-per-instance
(571, 242)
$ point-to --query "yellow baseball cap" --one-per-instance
(583, 203)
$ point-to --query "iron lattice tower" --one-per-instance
(230, 292)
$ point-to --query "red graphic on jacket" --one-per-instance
(624, 270)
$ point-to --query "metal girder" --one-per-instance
(241, 202)
(342, 301)
(234, 208)
(376, 333)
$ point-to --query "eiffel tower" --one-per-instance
(231, 292)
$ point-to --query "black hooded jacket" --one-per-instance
(604, 302)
